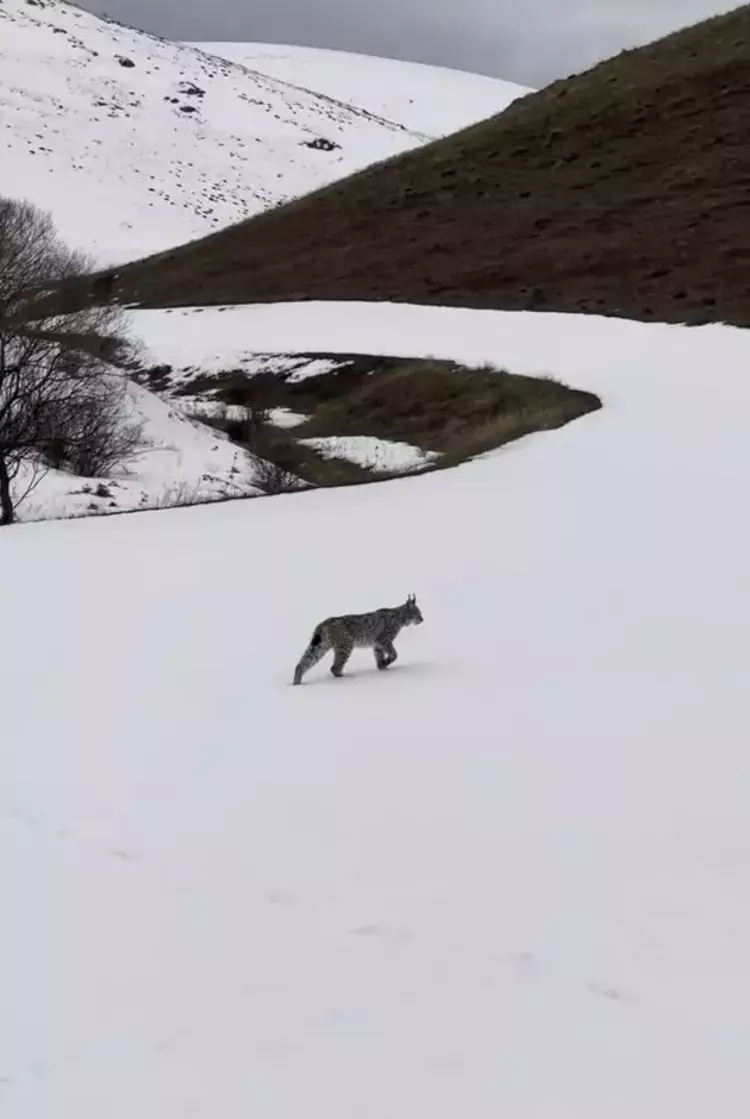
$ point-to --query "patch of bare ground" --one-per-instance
(437, 406)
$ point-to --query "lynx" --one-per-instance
(376, 631)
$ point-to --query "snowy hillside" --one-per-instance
(430, 99)
(505, 877)
(181, 462)
(137, 144)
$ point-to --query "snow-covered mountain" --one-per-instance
(430, 99)
(507, 877)
(136, 144)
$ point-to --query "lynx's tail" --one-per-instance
(312, 654)
(317, 637)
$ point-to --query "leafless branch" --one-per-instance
(60, 401)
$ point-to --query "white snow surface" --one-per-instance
(380, 455)
(212, 340)
(435, 100)
(285, 417)
(505, 877)
(136, 144)
(182, 462)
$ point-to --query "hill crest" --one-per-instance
(433, 100)
(623, 190)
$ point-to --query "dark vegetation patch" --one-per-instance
(624, 190)
(438, 406)
(442, 406)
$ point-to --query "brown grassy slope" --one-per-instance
(624, 190)
(439, 406)
(445, 407)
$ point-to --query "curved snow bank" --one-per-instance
(587, 350)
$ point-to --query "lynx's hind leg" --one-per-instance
(342, 652)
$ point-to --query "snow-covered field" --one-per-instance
(430, 99)
(506, 877)
(136, 144)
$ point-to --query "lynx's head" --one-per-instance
(411, 613)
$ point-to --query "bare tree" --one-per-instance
(61, 399)
(96, 434)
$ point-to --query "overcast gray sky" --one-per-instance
(528, 41)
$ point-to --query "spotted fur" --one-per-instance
(376, 631)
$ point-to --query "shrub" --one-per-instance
(61, 401)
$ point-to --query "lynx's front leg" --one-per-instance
(385, 654)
